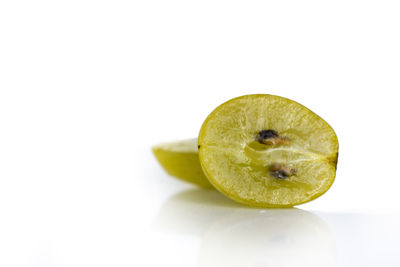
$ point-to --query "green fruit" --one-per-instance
(180, 159)
(268, 151)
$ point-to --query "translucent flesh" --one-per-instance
(180, 159)
(238, 165)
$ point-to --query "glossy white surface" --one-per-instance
(229, 235)
(159, 221)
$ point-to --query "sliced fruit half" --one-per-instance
(180, 159)
(268, 151)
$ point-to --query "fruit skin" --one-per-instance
(180, 159)
(214, 176)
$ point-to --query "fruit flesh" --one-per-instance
(241, 166)
(180, 159)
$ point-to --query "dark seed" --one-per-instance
(280, 174)
(266, 134)
(281, 171)
(198, 146)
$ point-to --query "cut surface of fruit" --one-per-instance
(268, 151)
(180, 159)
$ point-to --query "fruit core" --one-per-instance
(271, 137)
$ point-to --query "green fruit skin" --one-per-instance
(182, 165)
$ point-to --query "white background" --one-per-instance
(87, 87)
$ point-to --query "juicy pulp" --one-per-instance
(242, 167)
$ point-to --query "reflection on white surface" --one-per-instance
(273, 238)
(232, 235)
